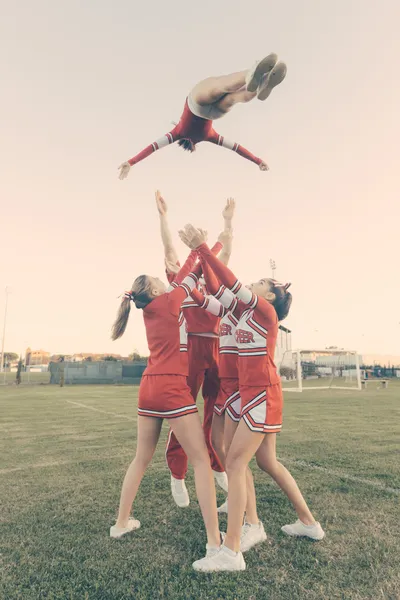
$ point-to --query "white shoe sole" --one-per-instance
(276, 77)
(291, 533)
(264, 66)
(117, 534)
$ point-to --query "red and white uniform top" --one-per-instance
(165, 327)
(257, 328)
(198, 321)
(196, 129)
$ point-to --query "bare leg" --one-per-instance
(243, 447)
(217, 437)
(213, 89)
(189, 433)
(266, 460)
(229, 100)
(148, 433)
(251, 503)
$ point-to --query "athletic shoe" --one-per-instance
(298, 529)
(261, 67)
(223, 508)
(212, 550)
(224, 560)
(274, 78)
(222, 480)
(179, 492)
(118, 532)
(252, 535)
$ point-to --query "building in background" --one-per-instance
(35, 358)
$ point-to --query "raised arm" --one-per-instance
(208, 303)
(225, 275)
(222, 141)
(170, 253)
(228, 214)
(183, 289)
(165, 140)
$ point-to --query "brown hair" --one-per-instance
(283, 299)
(140, 296)
(187, 144)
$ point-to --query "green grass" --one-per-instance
(61, 470)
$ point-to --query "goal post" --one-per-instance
(328, 369)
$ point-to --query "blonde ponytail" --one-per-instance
(118, 329)
(140, 296)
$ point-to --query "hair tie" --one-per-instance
(129, 296)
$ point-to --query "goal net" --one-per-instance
(320, 370)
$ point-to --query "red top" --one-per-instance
(257, 329)
(194, 128)
(165, 329)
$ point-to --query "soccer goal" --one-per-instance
(320, 370)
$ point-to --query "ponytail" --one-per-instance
(140, 296)
(118, 329)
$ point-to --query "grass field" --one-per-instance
(63, 456)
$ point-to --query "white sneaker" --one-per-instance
(298, 529)
(224, 560)
(275, 77)
(212, 550)
(261, 67)
(179, 492)
(118, 532)
(223, 508)
(252, 535)
(222, 480)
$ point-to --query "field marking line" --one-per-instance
(104, 412)
(341, 475)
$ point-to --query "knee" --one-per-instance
(143, 459)
(235, 464)
(267, 464)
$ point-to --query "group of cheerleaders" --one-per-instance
(208, 330)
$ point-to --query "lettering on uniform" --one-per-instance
(225, 329)
(244, 337)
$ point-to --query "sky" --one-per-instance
(89, 84)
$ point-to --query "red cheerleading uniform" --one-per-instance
(256, 335)
(196, 129)
(202, 329)
(163, 391)
(229, 309)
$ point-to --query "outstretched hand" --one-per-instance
(124, 170)
(192, 237)
(264, 166)
(229, 209)
(161, 204)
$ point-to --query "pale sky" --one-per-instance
(86, 85)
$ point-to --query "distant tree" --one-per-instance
(136, 357)
(110, 359)
(9, 357)
(88, 359)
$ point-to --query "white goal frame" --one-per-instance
(326, 352)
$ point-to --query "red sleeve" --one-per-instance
(168, 138)
(216, 249)
(220, 140)
(212, 282)
(225, 275)
(188, 267)
(209, 303)
(228, 279)
(179, 293)
(246, 154)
